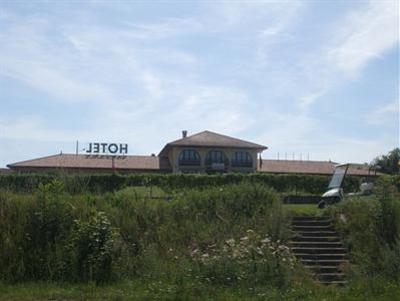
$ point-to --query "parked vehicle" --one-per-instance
(335, 191)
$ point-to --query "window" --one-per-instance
(242, 159)
(216, 156)
(189, 157)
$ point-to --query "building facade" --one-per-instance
(211, 152)
(204, 152)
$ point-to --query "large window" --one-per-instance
(189, 157)
(216, 157)
(242, 159)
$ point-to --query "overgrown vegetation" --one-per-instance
(55, 236)
(107, 182)
(371, 229)
(217, 241)
(389, 163)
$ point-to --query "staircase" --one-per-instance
(319, 248)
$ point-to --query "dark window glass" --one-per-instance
(215, 156)
(242, 159)
(189, 157)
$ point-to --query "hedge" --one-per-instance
(76, 183)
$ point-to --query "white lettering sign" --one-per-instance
(107, 148)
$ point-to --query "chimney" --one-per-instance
(184, 134)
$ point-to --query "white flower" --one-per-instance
(265, 240)
(230, 242)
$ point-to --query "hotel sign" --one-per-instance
(107, 148)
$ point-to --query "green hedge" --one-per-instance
(290, 183)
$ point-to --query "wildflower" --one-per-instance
(230, 242)
(265, 240)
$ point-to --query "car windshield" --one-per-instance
(338, 176)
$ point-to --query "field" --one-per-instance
(184, 242)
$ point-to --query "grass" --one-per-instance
(306, 209)
(377, 289)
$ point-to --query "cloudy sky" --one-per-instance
(303, 77)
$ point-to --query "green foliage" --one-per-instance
(371, 228)
(92, 243)
(253, 259)
(389, 163)
(44, 238)
(57, 236)
(100, 183)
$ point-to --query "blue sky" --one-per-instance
(303, 77)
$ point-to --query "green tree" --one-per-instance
(390, 162)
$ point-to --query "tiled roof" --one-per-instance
(211, 139)
(306, 167)
(96, 162)
(154, 163)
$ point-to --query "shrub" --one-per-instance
(100, 183)
(371, 227)
(92, 246)
(252, 258)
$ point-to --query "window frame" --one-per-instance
(242, 158)
(189, 157)
(223, 159)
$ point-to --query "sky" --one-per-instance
(315, 80)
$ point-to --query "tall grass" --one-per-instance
(58, 236)
(371, 229)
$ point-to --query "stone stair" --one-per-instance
(318, 247)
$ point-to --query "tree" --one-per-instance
(389, 163)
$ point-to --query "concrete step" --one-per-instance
(319, 257)
(315, 250)
(323, 262)
(316, 233)
(323, 268)
(315, 244)
(321, 223)
(312, 228)
(300, 238)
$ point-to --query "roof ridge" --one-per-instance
(256, 145)
(35, 159)
(305, 161)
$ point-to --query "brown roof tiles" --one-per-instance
(307, 167)
(151, 163)
(211, 139)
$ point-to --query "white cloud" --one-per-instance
(365, 35)
(309, 99)
(149, 82)
(383, 114)
(354, 40)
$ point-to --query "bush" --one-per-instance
(100, 183)
(57, 236)
(92, 245)
(371, 227)
(253, 259)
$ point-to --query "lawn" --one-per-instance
(377, 289)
